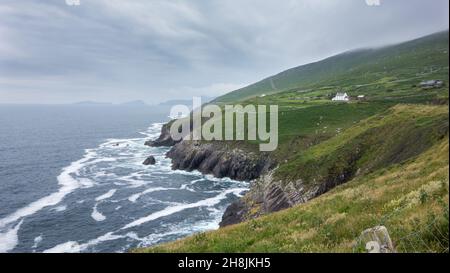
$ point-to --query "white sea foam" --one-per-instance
(187, 188)
(96, 215)
(133, 198)
(103, 159)
(37, 241)
(85, 182)
(181, 230)
(75, 247)
(133, 182)
(104, 174)
(177, 208)
(67, 247)
(9, 238)
(107, 195)
(197, 180)
(60, 208)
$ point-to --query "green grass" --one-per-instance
(388, 138)
(324, 118)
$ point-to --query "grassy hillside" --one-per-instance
(378, 161)
(409, 198)
(366, 70)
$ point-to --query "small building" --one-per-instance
(341, 97)
(431, 84)
(361, 97)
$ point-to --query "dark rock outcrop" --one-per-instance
(149, 160)
(164, 138)
(219, 159)
(266, 195)
(235, 213)
(276, 199)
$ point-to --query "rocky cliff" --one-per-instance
(164, 138)
(220, 159)
(266, 195)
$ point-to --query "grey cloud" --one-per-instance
(116, 50)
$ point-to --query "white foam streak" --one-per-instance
(59, 208)
(67, 247)
(133, 198)
(9, 239)
(74, 247)
(107, 195)
(97, 216)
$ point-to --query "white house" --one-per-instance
(431, 84)
(341, 97)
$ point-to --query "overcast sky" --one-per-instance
(155, 50)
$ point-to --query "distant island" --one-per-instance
(187, 102)
(91, 103)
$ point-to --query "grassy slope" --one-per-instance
(366, 70)
(397, 134)
(411, 200)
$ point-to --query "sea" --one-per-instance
(72, 180)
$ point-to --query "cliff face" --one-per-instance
(267, 195)
(219, 159)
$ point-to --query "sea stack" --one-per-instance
(150, 161)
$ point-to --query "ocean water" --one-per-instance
(72, 180)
